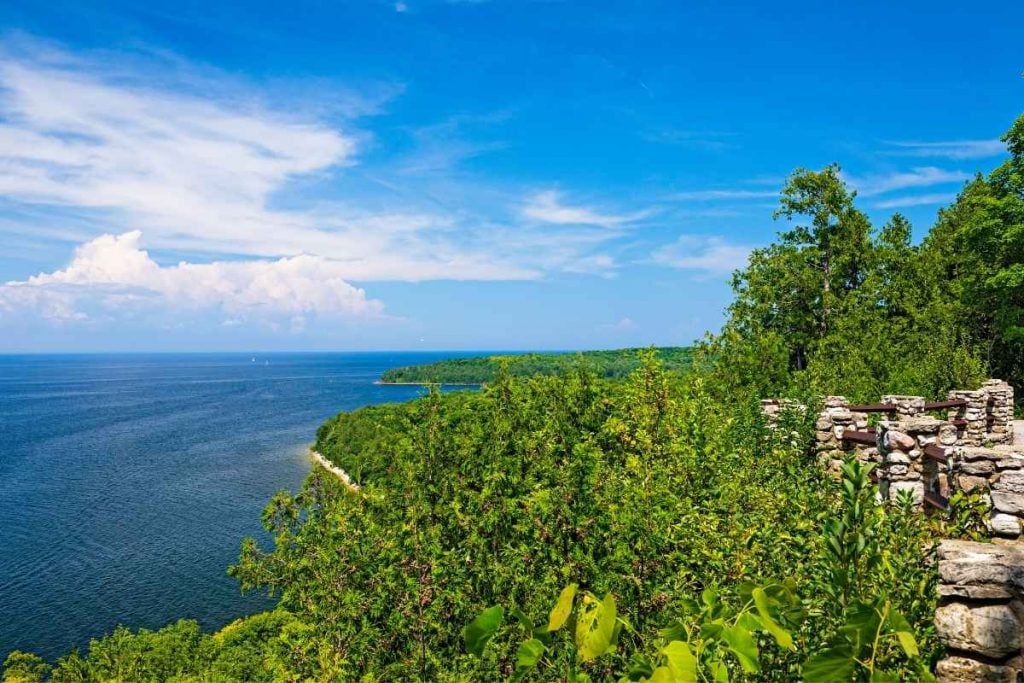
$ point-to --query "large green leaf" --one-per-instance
(528, 654)
(741, 643)
(904, 633)
(763, 604)
(681, 662)
(482, 629)
(598, 640)
(560, 612)
(832, 665)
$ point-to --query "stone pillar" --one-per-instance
(980, 614)
(975, 413)
(833, 421)
(1000, 411)
(906, 406)
(998, 473)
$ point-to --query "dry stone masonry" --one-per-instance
(928, 450)
(981, 612)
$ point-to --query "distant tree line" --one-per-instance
(482, 369)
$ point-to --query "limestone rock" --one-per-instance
(990, 630)
(964, 670)
(947, 435)
(1005, 525)
(897, 440)
(977, 467)
(969, 563)
(968, 483)
(897, 458)
(1006, 501)
(1011, 480)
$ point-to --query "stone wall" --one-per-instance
(996, 472)
(930, 453)
(981, 612)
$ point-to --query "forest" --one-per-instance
(481, 369)
(581, 526)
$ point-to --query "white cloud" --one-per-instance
(114, 274)
(625, 325)
(919, 200)
(950, 149)
(547, 207)
(712, 255)
(401, 7)
(713, 195)
(922, 176)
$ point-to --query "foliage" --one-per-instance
(840, 308)
(627, 488)
(24, 667)
(257, 648)
(481, 369)
(867, 638)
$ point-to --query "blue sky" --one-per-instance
(472, 174)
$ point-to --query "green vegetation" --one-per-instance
(482, 369)
(571, 527)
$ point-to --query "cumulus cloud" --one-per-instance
(548, 207)
(114, 273)
(711, 255)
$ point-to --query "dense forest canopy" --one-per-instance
(655, 517)
(481, 369)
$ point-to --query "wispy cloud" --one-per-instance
(951, 149)
(710, 254)
(722, 194)
(93, 150)
(548, 207)
(923, 176)
(703, 140)
(919, 200)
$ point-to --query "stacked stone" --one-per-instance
(1000, 411)
(998, 474)
(906, 406)
(773, 408)
(975, 413)
(904, 467)
(833, 421)
(980, 614)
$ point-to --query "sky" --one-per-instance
(456, 174)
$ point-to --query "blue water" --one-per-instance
(128, 481)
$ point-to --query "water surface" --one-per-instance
(128, 481)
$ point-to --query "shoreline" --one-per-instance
(425, 384)
(341, 474)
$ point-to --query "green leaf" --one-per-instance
(763, 604)
(528, 654)
(832, 665)
(661, 675)
(904, 633)
(741, 643)
(719, 671)
(598, 641)
(560, 612)
(481, 629)
(681, 662)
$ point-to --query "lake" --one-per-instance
(127, 482)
